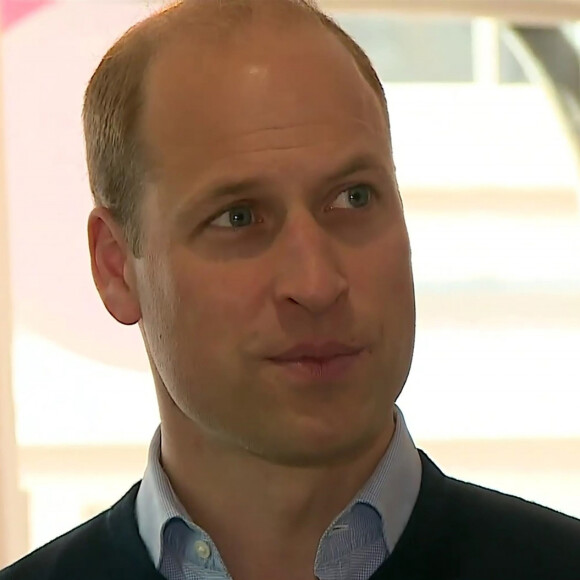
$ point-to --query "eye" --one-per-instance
(355, 197)
(234, 218)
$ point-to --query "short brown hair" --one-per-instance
(116, 159)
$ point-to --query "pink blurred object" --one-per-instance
(12, 11)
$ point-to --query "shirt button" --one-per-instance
(202, 549)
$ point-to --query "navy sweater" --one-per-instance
(457, 531)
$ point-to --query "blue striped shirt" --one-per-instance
(352, 548)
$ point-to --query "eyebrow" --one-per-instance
(236, 188)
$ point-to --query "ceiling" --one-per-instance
(522, 11)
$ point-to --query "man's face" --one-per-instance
(276, 221)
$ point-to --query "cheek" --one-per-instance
(383, 272)
(216, 302)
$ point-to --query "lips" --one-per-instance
(311, 362)
(316, 352)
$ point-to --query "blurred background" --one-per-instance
(485, 106)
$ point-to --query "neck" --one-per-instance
(243, 501)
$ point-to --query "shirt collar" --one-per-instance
(156, 502)
(391, 491)
(393, 488)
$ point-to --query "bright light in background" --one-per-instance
(471, 384)
(462, 136)
(527, 253)
(64, 398)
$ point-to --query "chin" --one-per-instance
(307, 448)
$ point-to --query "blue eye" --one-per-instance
(241, 216)
(235, 217)
(357, 196)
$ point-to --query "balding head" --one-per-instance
(117, 160)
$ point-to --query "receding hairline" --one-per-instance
(196, 20)
(212, 21)
(200, 15)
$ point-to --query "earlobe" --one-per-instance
(111, 267)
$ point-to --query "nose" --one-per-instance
(308, 267)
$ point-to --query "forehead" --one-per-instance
(262, 91)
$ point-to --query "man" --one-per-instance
(248, 219)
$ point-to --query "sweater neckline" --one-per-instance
(431, 532)
(417, 555)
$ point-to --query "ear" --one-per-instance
(112, 267)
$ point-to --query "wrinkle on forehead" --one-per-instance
(303, 135)
(259, 144)
(249, 148)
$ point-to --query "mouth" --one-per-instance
(319, 369)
